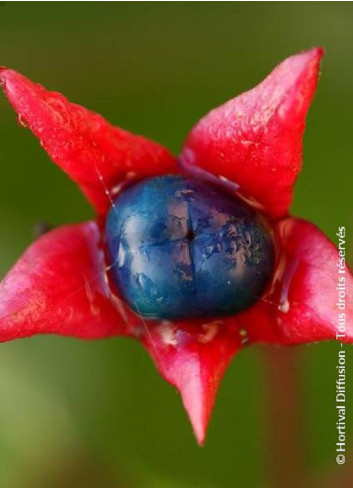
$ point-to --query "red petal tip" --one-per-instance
(255, 140)
(198, 397)
(317, 51)
(96, 155)
(193, 357)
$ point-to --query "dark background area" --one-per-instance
(97, 413)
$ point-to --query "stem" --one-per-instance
(284, 424)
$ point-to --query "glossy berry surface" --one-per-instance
(182, 248)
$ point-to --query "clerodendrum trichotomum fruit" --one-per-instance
(183, 248)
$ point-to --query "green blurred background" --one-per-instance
(96, 413)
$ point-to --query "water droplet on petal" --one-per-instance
(21, 122)
(287, 278)
(244, 338)
(284, 306)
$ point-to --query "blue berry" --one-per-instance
(184, 249)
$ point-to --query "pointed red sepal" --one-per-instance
(59, 286)
(302, 304)
(255, 140)
(193, 357)
(96, 155)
